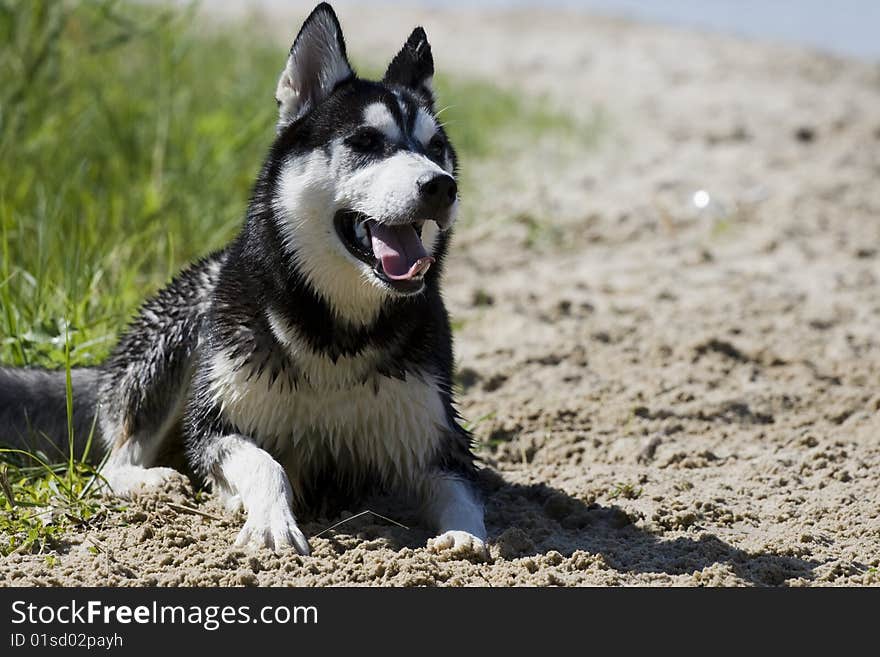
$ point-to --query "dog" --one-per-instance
(313, 353)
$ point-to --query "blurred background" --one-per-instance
(848, 27)
(147, 97)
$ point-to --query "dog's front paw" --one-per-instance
(127, 481)
(275, 529)
(458, 545)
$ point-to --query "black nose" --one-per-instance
(438, 192)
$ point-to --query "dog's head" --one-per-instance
(365, 177)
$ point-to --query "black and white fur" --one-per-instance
(289, 363)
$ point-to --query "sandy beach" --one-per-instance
(668, 339)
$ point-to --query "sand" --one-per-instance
(664, 394)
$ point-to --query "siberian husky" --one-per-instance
(314, 352)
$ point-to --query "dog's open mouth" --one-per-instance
(395, 253)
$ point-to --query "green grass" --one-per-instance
(128, 145)
(625, 490)
(42, 495)
(39, 502)
(129, 139)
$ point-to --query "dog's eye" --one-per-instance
(366, 141)
(437, 146)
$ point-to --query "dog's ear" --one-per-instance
(316, 64)
(413, 66)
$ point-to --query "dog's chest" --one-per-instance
(341, 410)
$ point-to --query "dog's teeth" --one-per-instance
(360, 231)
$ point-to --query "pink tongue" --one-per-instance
(400, 250)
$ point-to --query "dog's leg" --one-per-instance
(244, 474)
(124, 473)
(452, 507)
(131, 465)
(145, 383)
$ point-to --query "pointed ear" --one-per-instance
(413, 66)
(316, 64)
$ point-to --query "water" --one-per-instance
(846, 27)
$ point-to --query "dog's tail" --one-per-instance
(33, 410)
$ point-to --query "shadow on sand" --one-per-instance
(531, 520)
(553, 520)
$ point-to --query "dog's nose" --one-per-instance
(438, 192)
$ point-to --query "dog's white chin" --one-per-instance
(348, 286)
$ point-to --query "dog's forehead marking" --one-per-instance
(425, 126)
(417, 121)
(378, 116)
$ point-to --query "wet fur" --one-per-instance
(279, 364)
